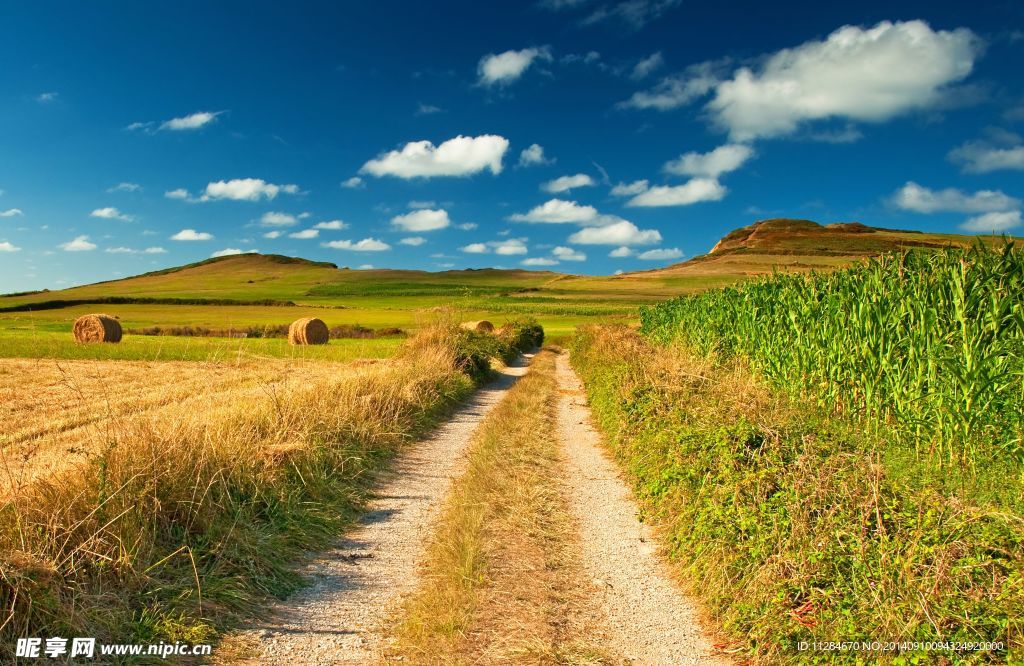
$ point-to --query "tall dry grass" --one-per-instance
(188, 519)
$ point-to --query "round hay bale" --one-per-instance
(482, 326)
(308, 331)
(97, 328)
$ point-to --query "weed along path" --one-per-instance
(649, 620)
(340, 618)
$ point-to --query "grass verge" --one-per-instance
(796, 527)
(498, 579)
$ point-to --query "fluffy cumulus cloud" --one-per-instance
(871, 75)
(622, 232)
(274, 219)
(245, 189)
(566, 183)
(986, 156)
(533, 155)
(507, 247)
(630, 189)
(78, 244)
(353, 183)
(11, 212)
(558, 211)
(364, 245)
(620, 252)
(191, 235)
(461, 156)
(661, 254)
(304, 234)
(192, 121)
(678, 90)
(568, 254)
(711, 164)
(693, 191)
(424, 219)
(129, 250)
(230, 252)
(110, 213)
(993, 222)
(475, 248)
(539, 261)
(414, 241)
(504, 68)
(919, 199)
(180, 194)
(331, 225)
(273, 234)
(7, 246)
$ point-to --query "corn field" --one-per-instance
(928, 345)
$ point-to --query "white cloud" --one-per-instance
(191, 235)
(273, 219)
(675, 91)
(191, 121)
(859, 74)
(125, 187)
(273, 234)
(154, 250)
(623, 232)
(712, 164)
(647, 66)
(414, 241)
(427, 109)
(305, 234)
(539, 261)
(110, 213)
(422, 220)
(920, 199)
(129, 250)
(504, 68)
(558, 211)
(331, 225)
(365, 245)
(509, 247)
(533, 155)
(993, 222)
(353, 183)
(565, 183)
(691, 192)
(983, 157)
(630, 189)
(241, 189)
(12, 212)
(180, 193)
(568, 254)
(475, 248)
(230, 252)
(47, 97)
(620, 252)
(6, 246)
(661, 254)
(79, 244)
(467, 226)
(461, 156)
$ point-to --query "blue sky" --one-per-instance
(585, 136)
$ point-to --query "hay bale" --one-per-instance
(97, 328)
(482, 326)
(308, 331)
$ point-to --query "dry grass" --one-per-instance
(187, 514)
(500, 577)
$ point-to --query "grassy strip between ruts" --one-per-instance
(190, 521)
(795, 527)
(499, 579)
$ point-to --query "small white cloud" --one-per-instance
(364, 267)
(110, 213)
(422, 220)
(6, 246)
(467, 226)
(509, 247)
(191, 235)
(558, 211)
(47, 97)
(661, 254)
(273, 219)
(534, 155)
(245, 189)
(414, 241)
(983, 157)
(180, 194)
(568, 254)
(461, 156)
(427, 109)
(623, 232)
(191, 121)
(79, 244)
(273, 234)
(993, 222)
(365, 245)
(539, 261)
(353, 183)
(691, 192)
(647, 66)
(154, 250)
(331, 225)
(504, 68)
(620, 252)
(630, 189)
(230, 252)
(305, 234)
(678, 90)
(712, 164)
(475, 248)
(565, 183)
(125, 187)
(11, 212)
(920, 199)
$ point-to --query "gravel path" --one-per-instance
(340, 618)
(649, 619)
